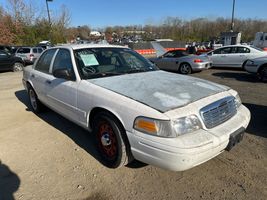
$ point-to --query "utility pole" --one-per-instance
(233, 15)
(48, 13)
(49, 19)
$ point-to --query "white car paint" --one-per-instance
(221, 57)
(149, 97)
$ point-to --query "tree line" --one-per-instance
(21, 23)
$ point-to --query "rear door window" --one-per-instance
(34, 50)
(24, 50)
(44, 62)
(242, 50)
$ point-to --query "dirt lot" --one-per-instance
(48, 157)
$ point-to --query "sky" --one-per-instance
(102, 13)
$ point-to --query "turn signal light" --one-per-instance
(145, 125)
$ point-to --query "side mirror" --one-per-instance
(64, 74)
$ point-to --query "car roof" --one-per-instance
(236, 45)
(84, 46)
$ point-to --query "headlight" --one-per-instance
(238, 101)
(168, 129)
(186, 124)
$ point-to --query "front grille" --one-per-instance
(218, 112)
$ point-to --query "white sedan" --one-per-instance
(135, 110)
(234, 55)
(258, 66)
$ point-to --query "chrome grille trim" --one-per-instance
(218, 112)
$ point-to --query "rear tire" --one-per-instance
(17, 67)
(35, 103)
(111, 140)
(185, 68)
(263, 74)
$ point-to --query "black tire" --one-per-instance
(17, 67)
(111, 140)
(263, 74)
(36, 105)
(185, 68)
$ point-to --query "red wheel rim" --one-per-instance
(107, 140)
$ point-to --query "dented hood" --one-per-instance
(160, 90)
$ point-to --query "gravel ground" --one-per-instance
(48, 157)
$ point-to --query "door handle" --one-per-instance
(32, 76)
(48, 81)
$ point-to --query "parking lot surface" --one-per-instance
(48, 157)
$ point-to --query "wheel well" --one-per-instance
(244, 63)
(264, 65)
(18, 61)
(97, 110)
(184, 63)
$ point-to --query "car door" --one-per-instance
(220, 57)
(61, 94)
(42, 73)
(6, 61)
(241, 54)
(168, 61)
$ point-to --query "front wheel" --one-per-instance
(263, 74)
(17, 67)
(111, 140)
(185, 68)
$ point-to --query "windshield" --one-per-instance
(256, 48)
(102, 62)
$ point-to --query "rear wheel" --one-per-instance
(17, 67)
(111, 140)
(263, 74)
(185, 68)
(36, 105)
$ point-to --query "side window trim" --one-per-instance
(40, 59)
(52, 62)
(71, 60)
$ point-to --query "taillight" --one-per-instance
(198, 60)
(31, 57)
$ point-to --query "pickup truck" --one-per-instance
(135, 110)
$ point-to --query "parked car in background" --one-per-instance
(6, 48)
(29, 54)
(258, 66)
(10, 62)
(134, 109)
(179, 60)
(234, 55)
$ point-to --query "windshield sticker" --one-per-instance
(89, 59)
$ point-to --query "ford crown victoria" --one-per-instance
(135, 110)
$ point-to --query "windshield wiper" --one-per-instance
(139, 70)
(104, 74)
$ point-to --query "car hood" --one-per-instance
(260, 59)
(160, 90)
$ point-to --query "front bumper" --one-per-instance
(190, 150)
(252, 68)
